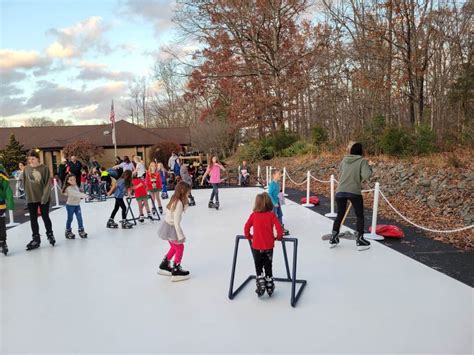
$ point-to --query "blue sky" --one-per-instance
(68, 59)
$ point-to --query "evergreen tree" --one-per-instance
(12, 154)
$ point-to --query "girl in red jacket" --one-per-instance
(141, 195)
(263, 221)
(154, 185)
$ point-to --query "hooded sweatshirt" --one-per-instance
(353, 170)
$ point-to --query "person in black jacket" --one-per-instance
(75, 168)
(62, 171)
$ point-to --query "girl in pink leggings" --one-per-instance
(171, 231)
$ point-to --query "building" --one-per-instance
(131, 140)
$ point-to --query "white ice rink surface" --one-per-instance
(103, 295)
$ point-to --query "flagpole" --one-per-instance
(112, 119)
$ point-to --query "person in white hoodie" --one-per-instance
(73, 206)
(171, 231)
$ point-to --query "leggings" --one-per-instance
(176, 250)
(33, 209)
(3, 229)
(358, 204)
(215, 192)
(119, 204)
(263, 261)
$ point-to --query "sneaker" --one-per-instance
(165, 268)
(178, 274)
(334, 241)
(361, 242)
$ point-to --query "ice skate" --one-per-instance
(361, 242)
(150, 216)
(4, 247)
(51, 239)
(69, 234)
(141, 218)
(111, 224)
(160, 208)
(334, 241)
(269, 285)
(34, 244)
(211, 204)
(165, 268)
(216, 205)
(178, 274)
(126, 225)
(82, 233)
(260, 290)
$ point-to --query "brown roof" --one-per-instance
(56, 137)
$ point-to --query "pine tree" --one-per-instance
(12, 154)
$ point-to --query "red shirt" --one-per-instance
(153, 179)
(263, 223)
(139, 187)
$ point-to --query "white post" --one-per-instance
(308, 185)
(17, 189)
(11, 222)
(373, 235)
(267, 177)
(55, 183)
(239, 175)
(332, 214)
(283, 190)
(258, 177)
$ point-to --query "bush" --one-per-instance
(319, 136)
(162, 151)
(394, 141)
(371, 135)
(297, 148)
(424, 140)
(255, 151)
(83, 150)
(280, 141)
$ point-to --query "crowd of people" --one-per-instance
(132, 179)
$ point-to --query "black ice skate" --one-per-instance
(4, 247)
(269, 285)
(126, 225)
(285, 231)
(165, 268)
(334, 241)
(69, 234)
(82, 233)
(216, 205)
(154, 211)
(34, 244)
(211, 205)
(178, 274)
(111, 224)
(51, 239)
(191, 201)
(141, 218)
(260, 290)
(362, 243)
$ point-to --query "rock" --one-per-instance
(424, 183)
(469, 219)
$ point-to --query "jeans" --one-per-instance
(358, 204)
(33, 209)
(177, 251)
(279, 213)
(215, 192)
(263, 261)
(119, 203)
(71, 211)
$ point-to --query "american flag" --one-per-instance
(112, 115)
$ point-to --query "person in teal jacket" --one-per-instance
(6, 202)
(274, 191)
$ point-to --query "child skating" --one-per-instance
(154, 186)
(171, 231)
(73, 206)
(188, 180)
(6, 203)
(119, 190)
(164, 183)
(259, 229)
(141, 195)
(274, 192)
(214, 171)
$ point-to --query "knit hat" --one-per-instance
(356, 149)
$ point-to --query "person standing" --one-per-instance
(140, 169)
(172, 161)
(214, 171)
(353, 170)
(62, 171)
(75, 168)
(38, 191)
(6, 203)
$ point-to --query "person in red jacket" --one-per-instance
(259, 229)
(154, 185)
(141, 195)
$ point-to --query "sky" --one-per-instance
(67, 59)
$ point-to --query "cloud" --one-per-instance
(157, 12)
(96, 71)
(10, 106)
(11, 59)
(10, 76)
(75, 40)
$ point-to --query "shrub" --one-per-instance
(297, 148)
(370, 137)
(255, 151)
(424, 140)
(162, 151)
(280, 140)
(394, 141)
(83, 150)
(319, 136)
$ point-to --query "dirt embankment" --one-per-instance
(436, 191)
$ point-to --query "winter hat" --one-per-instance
(356, 149)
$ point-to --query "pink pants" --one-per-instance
(176, 250)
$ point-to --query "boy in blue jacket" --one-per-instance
(274, 191)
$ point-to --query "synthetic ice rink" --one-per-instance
(103, 294)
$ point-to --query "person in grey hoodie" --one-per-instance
(353, 170)
(188, 180)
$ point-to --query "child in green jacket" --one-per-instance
(6, 202)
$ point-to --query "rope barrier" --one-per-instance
(321, 181)
(421, 227)
(293, 181)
